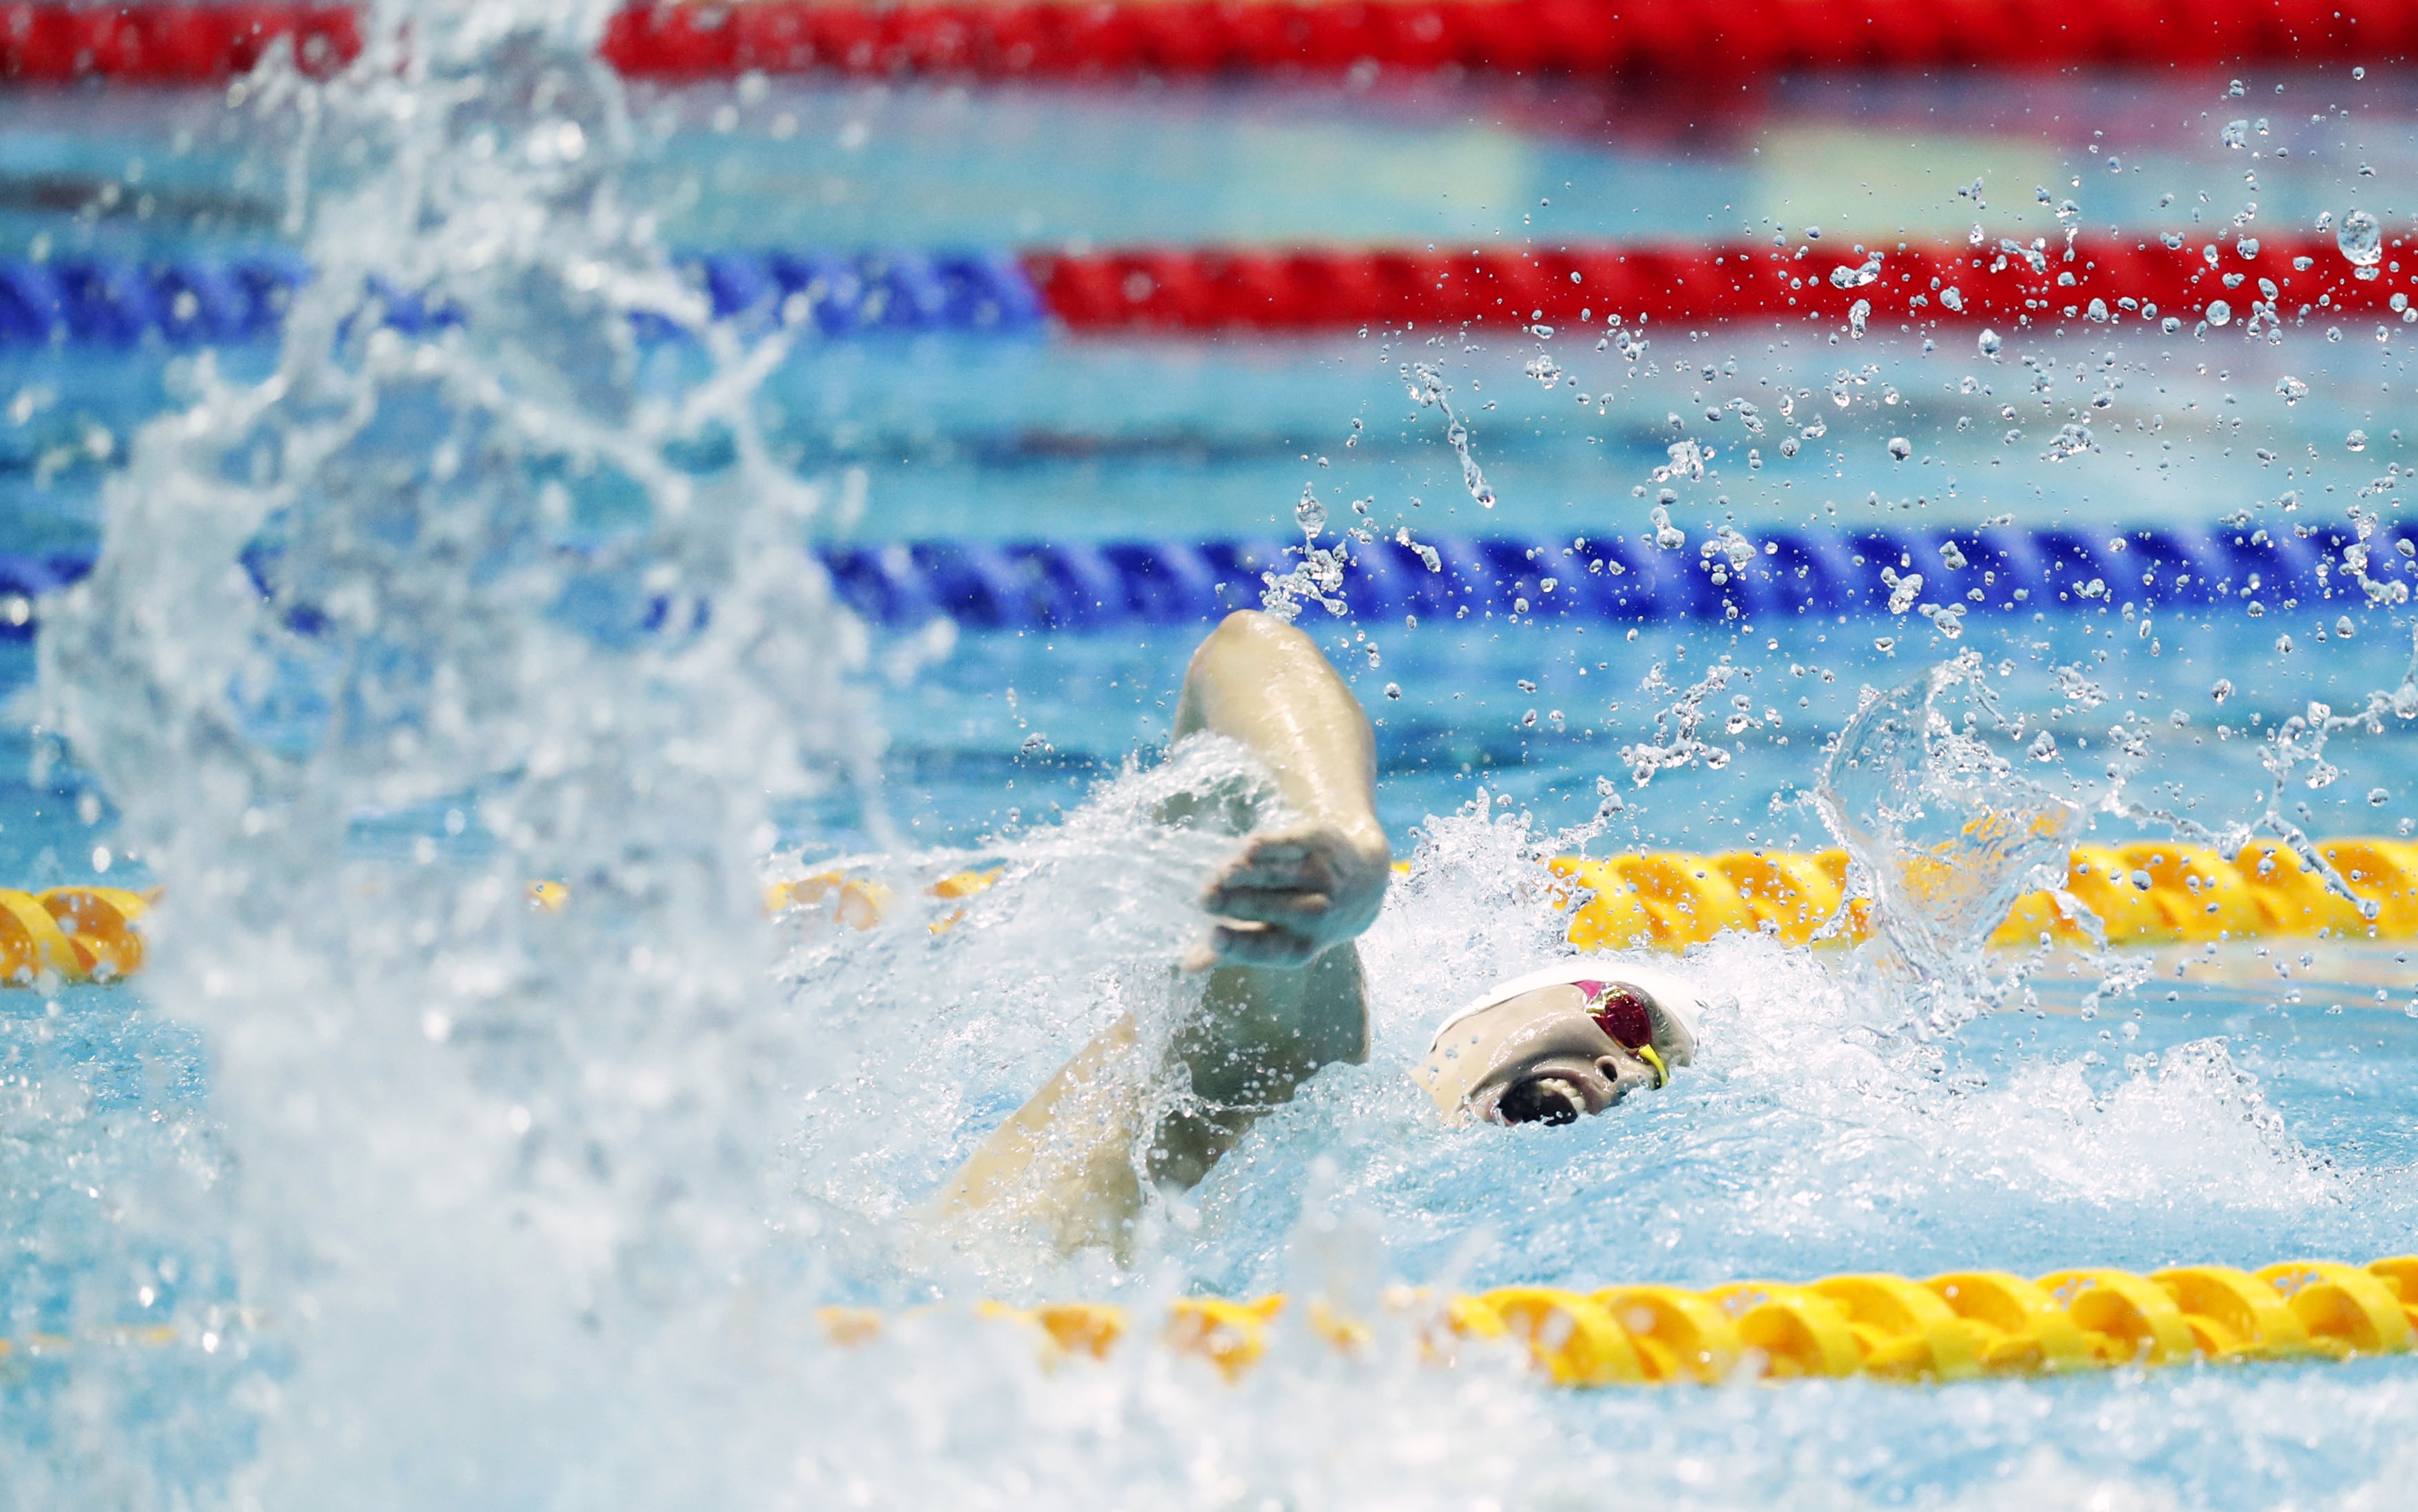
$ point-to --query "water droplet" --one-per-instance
(1310, 514)
(2221, 690)
(2292, 388)
(2219, 313)
(2359, 73)
(1990, 342)
(1899, 448)
(2361, 238)
(1393, 690)
(2356, 440)
(2378, 795)
(2234, 134)
(2247, 247)
(2044, 747)
(2343, 628)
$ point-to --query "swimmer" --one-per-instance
(1284, 994)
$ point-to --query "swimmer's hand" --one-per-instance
(1291, 894)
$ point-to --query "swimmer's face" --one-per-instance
(1538, 1058)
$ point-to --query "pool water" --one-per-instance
(381, 1189)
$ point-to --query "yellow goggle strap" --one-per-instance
(1662, 1072)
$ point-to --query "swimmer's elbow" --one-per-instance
(1250, 622)
(1249, 633)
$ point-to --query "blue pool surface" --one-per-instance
(438, 1201)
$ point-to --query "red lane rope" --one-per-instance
(1023, 38)
(1914, 286)
(1694, 37)
(166, 44)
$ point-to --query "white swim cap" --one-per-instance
(1669, 992)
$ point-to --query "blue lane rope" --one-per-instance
(199, 300)
(1081, 586)
(1619, 579)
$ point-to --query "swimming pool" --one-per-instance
(380, 1187)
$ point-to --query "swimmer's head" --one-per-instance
(1556, 1051)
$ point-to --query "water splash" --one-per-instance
(2294, 753)
(1944, 830)
(1679, 739)
(1427, 387)
(513, 563)
(1316, 574)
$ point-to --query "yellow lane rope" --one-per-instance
(1963, 1326)
(2149, 893)
(2144, 893)
(81, 934)
(1956, 1327)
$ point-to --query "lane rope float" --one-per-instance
(186, 44)
(74, 934)
(1961, 1326)
(2143, 892)
(2140, 893)
(210, 300)
(2127, 280)
(2120, 280)
(1745, 578)
(1683, 38)
(1966, 1325)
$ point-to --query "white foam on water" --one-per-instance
(1803, 1142)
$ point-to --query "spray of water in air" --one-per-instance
(495, 561)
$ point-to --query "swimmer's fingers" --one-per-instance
(1309, 883)
(1250, 944)
(1267, 905)
(1273, 861)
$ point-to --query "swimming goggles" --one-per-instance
(1624, 1014)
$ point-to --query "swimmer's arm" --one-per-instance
(1068, 1165)
(1284, 997)
(1297, 892)
(1064, 1163)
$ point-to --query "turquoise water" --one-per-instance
(444, 1203)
